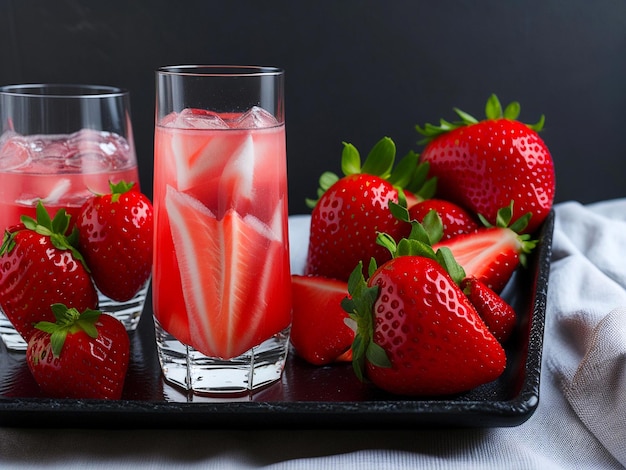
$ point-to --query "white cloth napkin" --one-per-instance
(586, 351)
(580, 421)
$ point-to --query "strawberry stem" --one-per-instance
(119, 188)
(359, 305)
(8, 242)
(408, 174)
(421, 240)
(68, 321)
(55, 229)
(503, 220)
(493, 110)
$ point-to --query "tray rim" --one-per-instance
(24, 412)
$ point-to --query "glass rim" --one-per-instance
(62, 90)
(220, 70)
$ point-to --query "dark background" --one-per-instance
(356, 70)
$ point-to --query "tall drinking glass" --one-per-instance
(221, 279)
(61, 144)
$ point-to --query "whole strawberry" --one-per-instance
(483, 165)
(417, 332)
(115, 237)
(352, 209)
(40, 266)
(80, 355)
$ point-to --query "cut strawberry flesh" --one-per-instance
(319, 333)
(234, 275)
(225, 169)
(490, 254)
(198, 158)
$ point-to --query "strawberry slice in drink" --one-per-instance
(200, 157)
(234, 275)
(224, 168)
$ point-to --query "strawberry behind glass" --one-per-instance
(61, 144)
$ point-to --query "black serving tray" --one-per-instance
(306, 396)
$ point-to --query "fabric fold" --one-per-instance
(586, 351)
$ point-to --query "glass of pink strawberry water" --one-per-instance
(60, 144)
(221, 277)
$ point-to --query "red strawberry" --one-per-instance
(493, 253)
(319, 333)
(81, 355)
(484, 165)
(418, 333)
(455, 219)
(498, 315)
(39, 266)
(351, 210)
(115, 237)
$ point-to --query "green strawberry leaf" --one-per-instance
(43, 218)
(377, 356)
(429, 231)
(56, 229)
(350, 160)
(57, 340)
(61, 313)
(327, 180)
(504, 216)
(386, 241)
(380, 162)
(433, 226)
(359, 306)
(68, 321)
(380, 159)
(454, 269)
(493, 110)
(8, 242)
(119, 188)
(399, 211)
(503, 220)
(419, 177)
(538, 126)
(372, 267)
(512, 111)
(428, 189)
(466, 118)
(404, 171)
(47, 326)
(411, 247)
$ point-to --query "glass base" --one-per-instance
(129, 313)
(191, 370)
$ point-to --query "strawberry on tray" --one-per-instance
(426, 249)
(402, 276)
(483, 165)
(39, 266)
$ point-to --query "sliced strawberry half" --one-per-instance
(491, 254)
(200, 155)
(234, 298)
(319, 333)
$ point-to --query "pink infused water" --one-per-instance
(221, 267)
(63, 171)
(60, 170)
